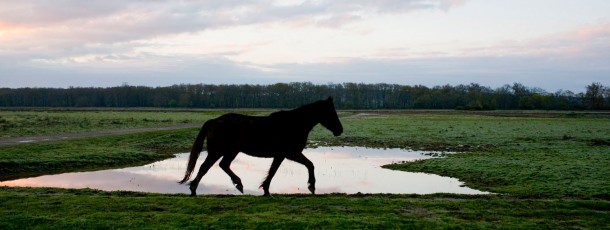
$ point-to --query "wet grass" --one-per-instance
(530, 157)
(37, 123)
(549, 173)
(92, 153)
(87, 209)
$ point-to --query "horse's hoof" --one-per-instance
(193, 192)
(240, 188)
(312, 189)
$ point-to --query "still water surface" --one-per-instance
(338, 170)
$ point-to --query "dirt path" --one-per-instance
(68, 136)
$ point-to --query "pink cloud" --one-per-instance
(589, 40)
(159, 17)
(591, 32)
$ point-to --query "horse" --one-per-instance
(281, 135)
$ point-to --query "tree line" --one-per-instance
(290, 95)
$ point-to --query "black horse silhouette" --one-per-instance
(280, 135)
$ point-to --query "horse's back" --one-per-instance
(262, 136)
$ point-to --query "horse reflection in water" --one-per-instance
(281, 135)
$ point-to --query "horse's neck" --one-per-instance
(304, 117)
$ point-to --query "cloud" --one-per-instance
(63, 29)
(104, 43)
(588, 42)
(548, 74)
(40, 12)
(567, 60)
(148, 70)
(44, 13)
(151, 18)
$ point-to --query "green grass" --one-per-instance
(38, 123)
(538, 157)
(92, 153)
(548, 173)
(78, 209)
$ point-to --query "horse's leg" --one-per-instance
(300, 158)
(274, 166)
(205, 166)
(225, 164)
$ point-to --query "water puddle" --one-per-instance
(338, 170)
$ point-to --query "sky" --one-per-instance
(550, 44)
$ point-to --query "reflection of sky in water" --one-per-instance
(338, 169)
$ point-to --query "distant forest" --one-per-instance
(290, 95)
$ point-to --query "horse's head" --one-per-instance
(330, 120)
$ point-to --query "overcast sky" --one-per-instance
(551, 44)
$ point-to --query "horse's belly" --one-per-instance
(260, 153)
(272, 149)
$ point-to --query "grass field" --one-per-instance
(78, 209)
(34, 123)
(547, 171)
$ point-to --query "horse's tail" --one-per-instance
(195, 151)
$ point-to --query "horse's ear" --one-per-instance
(329, 99)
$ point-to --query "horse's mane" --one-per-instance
(304, 109)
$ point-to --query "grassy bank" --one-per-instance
(551, 171)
